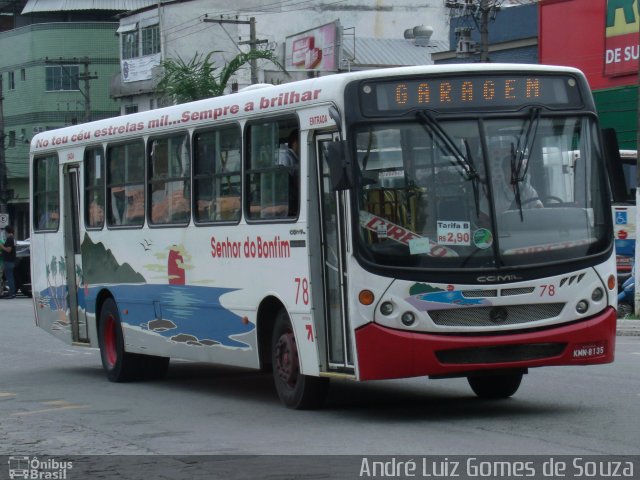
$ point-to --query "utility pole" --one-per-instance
(253, 42)
(86, 77)
(484, 31)
(481, 12)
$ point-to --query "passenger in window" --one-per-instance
(96, 214)
(290, 158)
(49, 220)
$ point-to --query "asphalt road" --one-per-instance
(55, 400)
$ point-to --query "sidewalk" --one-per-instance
(628, 327)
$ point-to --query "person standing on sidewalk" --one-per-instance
(9, 260)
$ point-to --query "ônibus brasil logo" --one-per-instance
(32, 468)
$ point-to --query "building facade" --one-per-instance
(56, 59)
(183, 28)
(42, 70)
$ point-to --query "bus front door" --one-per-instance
(333, 221)
(73, 259)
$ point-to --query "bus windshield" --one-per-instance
(480, 193)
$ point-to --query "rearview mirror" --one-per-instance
(339, 166)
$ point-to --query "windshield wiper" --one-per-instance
(520, 156)
(465, 163)
(474, 180)
(522, 163)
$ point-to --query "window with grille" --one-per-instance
(62, 77)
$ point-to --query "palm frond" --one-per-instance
(198, 77)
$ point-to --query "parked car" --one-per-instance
(22, 271)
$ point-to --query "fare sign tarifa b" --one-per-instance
(621, 37)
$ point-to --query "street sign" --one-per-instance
(4, 220)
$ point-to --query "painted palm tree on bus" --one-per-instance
(198, 78)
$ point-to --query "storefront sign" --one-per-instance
(621, 38)
(313, 50)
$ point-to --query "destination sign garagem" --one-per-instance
(469, 92)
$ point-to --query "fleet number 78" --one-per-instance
(302, 284)
(549, 290)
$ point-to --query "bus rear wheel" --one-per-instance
(294, 389)
(122, 366)
(495, 386)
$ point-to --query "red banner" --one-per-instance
(621, 54)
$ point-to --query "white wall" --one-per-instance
(184, 31)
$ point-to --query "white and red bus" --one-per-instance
(386, 252)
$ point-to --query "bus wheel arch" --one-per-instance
(294, 389)
(265, 322)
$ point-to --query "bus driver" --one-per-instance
(505, 191)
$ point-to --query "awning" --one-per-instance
(149, 22)
(127, 28)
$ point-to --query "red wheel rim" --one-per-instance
(110, 341)
(287, 359)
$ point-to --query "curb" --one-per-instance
(628, 328)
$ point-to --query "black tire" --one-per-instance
(495, 386)
(295, 390)
(154, 368)
(120, 365)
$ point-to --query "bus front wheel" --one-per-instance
(294, 389)
(495, 386)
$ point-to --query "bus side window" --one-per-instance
(125, 184)
(169, 189)
(216, 179)
(94, 188)
(273, 183)
(46, 193)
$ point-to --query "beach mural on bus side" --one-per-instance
(54, 299)
(187, 314)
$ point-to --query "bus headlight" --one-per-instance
(386, 308)
(597, 294)
(582, 306)
(408, 318)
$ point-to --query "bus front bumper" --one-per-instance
(385, 353)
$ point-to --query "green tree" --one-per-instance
(198, 78)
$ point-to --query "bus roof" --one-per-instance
(267, 99)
